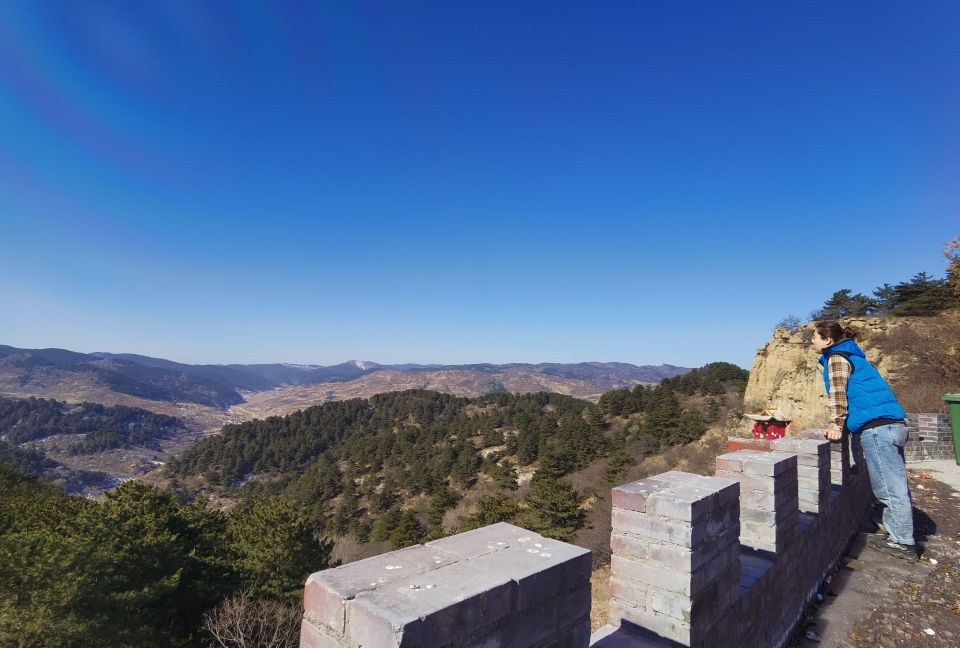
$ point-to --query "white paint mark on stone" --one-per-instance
(544, 554)
(391, 567)
(533, 551)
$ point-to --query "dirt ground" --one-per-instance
(877, 600)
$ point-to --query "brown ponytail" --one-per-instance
(835, 331)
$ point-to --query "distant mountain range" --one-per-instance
(58, 372)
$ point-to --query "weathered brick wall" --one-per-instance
(697, 561)
(776, 587)
(496, 586)
(674, 567)
(680, 575)
(930, 437)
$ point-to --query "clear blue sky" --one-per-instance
(460, 182)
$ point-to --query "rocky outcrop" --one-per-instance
(786, 375)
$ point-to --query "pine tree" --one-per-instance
(554, 509)
(346, 511)
(386, 524)
(505, 476)
(921, 296)
(616, 466)
(443, 500)
(690, 427)
(409, 531)
(843, 303)
(491, 509)
(276, 547)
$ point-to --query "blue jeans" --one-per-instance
(883, 451)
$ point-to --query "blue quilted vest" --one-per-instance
(869, 396)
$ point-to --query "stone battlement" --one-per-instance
(495, 586)
(697, 561)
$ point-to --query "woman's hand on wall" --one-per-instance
(834, 432)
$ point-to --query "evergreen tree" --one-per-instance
(555, 462)
(843, 303)
(43, 564)
(505, 476)
(276, 547)
(491, 509)
(135, 569)
(690, 427)
(554, 509)
(346, 511)
(528, 445)
(146, 558)
(465, 469)
(386, 524)
(883, 295)
(443, 500)
(409, 531)
(616, 466)
(921, 296)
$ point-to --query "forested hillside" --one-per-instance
(151, 566)
(368, 467)
(98, 427)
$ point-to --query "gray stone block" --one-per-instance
(669, 555)
(675, 495)
(662, 625)
(436, 607)
(748, 482)
(767, 501)
(676, 477)
(770, 464)
(458, 589)
(574, 605)
(577, 635)
(326, 592)
(540, 568)
(684, 502)
(732, 461)
(643, 526)
(488, 539)
(633, 496)
(313, 637)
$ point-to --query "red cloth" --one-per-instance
(769, 430)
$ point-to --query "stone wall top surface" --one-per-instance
(446, 588)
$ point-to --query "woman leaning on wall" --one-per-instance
(862, 403)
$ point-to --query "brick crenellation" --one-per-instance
(731, 559)
(929, 437)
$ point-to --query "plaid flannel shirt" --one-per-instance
(838, 370)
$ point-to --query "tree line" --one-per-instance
(922, 295)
